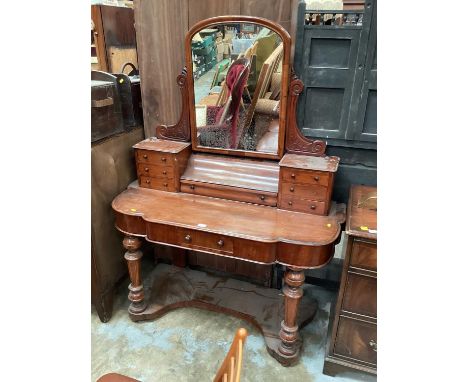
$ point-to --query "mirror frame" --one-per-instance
(284, 83)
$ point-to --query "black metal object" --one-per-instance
(129, 89)
(336, 58)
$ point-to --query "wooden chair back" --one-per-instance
(231, 367)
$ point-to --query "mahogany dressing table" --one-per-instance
(234, 177)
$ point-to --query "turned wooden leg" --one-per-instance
(133, 256)
(293, 280)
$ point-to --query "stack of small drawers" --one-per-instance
(160, 163)
(306, 183)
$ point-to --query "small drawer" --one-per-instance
(157, 183)
(303, 205)
(155, 171)
(360, 295)
(205, 240)
(364, 255)
(304, 191)
(357, 340)
(305, 176)
(154, 157)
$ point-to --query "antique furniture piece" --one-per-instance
(196, 192)
(106, 111)
(112, 168)
(229, 370)
(114, 40)
(231, 367)
(353, 339)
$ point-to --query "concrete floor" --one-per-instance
(189, 344)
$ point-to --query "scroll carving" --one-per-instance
(296, 143)
(181, 130)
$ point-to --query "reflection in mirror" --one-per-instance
(237, 79)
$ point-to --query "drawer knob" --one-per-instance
(192, 187)
(373, 345)
(316, 178)
(165, 184)
(164, 172)
(220, 242)
(145, 156)
(262, 197)
(148, 181)
(312, 207)
(146, 169)
(188, 238)
(290, 203)
(291, 189)
(293, 175)
(163, 159)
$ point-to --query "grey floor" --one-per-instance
(189, 344)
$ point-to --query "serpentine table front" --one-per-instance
(234, 229)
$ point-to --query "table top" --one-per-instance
(310, 162)
(161, 145)
(362, 212)
(227, 217)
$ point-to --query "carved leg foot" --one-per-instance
(133, 256)
(293, 280)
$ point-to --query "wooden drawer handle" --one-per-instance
(165, 184)
(373, 345)
(146, 169)
(102, 102)
(164, 172)
(148, 181)
(291, 189)
(316, 178)
(145, 156)
(312, 207)
(163, 159)
(188, 238)
(262, 197)
(290, 203)
(221, 242)
(293, 175)
(192, 187)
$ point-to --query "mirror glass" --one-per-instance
(237, 79)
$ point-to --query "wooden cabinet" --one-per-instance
(114, 39)
(353, 338)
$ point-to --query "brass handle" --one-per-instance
(145, 156)
(291, 189)
(165, 184)
(163, 159)
(221, 242)
(164, 172)
(312, 207)
(192, 187)
(290, 203)
(373, 345)
(262, 197)
(316, 178)
(146, 169)
(293, 175)
(188, 238)
(148, 181)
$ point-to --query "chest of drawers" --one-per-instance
(160, 163)
(306, 184)
(353, 338)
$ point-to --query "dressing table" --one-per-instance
(236, 178)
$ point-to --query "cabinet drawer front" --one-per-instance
(303, 205)
(357, 339)
(320, 178)
(155, 171)
(157, 183)
(364, 255)
(154, 157)
(304, 191)
(360, 295)
(223, 192)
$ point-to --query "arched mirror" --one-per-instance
(237, 77)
